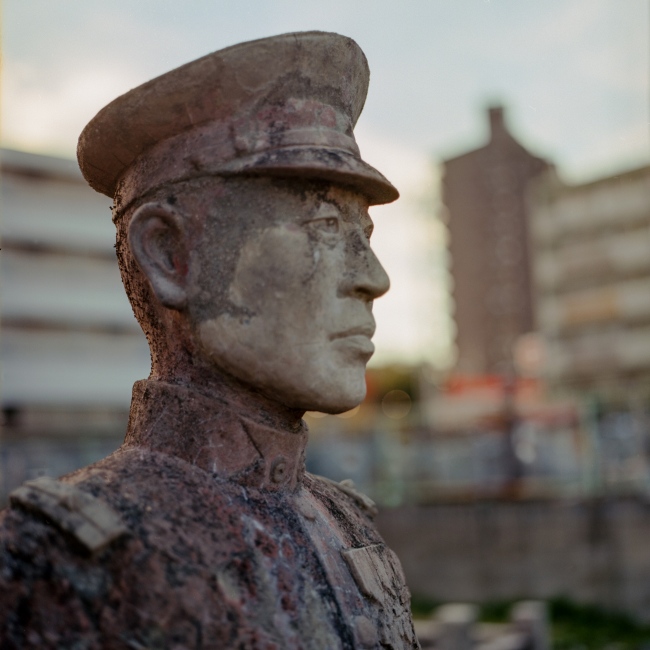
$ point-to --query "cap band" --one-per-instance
(245, 144)
(283, 106)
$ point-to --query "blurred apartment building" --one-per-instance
(70, 348)
(69, 337)
(592, 282)
(484, 192)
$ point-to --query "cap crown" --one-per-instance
(284, 105)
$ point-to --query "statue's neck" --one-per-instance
(183, 367)
(233, 435)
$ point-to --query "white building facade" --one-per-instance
(591, 248)
(70, 345)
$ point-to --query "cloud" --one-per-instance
(47, 115)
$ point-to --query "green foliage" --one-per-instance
(497, 611)
(574, 626)
(587, 627)
(422, 606)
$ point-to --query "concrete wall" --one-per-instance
(594, 552)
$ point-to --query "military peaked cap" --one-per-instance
(284, 106)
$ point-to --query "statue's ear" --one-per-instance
(158, 242)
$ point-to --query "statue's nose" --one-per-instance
(364, 277)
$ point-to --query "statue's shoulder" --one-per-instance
(71, 551)
(341, 491)
(86, 512)
(88, 522)
(76, 514)
(58, 544)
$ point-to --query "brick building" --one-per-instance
(484, 192)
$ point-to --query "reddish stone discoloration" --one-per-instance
(243, 241)
(207, 562)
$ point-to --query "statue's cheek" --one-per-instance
(276, 262)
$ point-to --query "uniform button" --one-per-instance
(279, 470)
(365, 632)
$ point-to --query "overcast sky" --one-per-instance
(574, 75)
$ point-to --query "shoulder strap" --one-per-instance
(87, 519)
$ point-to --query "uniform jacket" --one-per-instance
(202, 531)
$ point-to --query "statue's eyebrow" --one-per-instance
(325, 210)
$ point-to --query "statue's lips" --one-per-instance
(357, 338)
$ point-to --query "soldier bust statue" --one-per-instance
(241, 208)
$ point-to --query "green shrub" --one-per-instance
(588, 627)
(574, 626)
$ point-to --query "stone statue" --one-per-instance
(241, 207)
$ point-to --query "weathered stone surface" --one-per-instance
(87, 520)
(211, 559)
(282, 106)
(241, 207)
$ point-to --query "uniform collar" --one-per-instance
(212, 435)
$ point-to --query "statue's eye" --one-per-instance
(326, 224)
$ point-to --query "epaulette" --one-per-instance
(88, 520)
(347, 487)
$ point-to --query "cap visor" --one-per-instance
(318, 163)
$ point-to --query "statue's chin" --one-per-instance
(332, 397)
(319, 378)
(331, 392)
